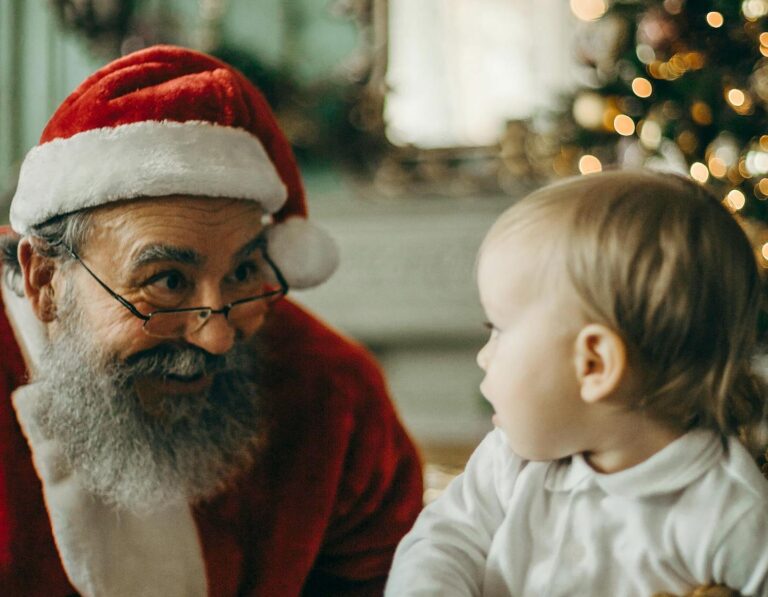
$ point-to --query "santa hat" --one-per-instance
(170, 121)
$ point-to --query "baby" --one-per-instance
(622, 308)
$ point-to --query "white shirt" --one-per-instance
(692, 514)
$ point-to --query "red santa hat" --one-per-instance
(171, 121)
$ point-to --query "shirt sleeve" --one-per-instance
(445, 552)
(379, 496)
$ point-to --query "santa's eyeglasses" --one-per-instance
(265, 288)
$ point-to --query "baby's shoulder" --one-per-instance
(723, 504)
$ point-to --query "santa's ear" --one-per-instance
(38, 270)
(601, 361)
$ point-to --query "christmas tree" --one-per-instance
(679, 85)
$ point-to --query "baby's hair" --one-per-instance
(658, 259)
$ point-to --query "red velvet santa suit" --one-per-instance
(322, 512)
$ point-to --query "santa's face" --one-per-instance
(145, 420)
(166, 253)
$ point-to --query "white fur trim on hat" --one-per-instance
(143, 159)
(306, 255)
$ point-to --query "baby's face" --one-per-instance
(529, 360)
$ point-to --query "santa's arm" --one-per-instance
(379, 496)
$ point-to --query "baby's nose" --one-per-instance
(482, 357)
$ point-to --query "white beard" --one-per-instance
(132, 459)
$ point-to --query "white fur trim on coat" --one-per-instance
(144, 159)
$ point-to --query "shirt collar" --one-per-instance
(669, 470)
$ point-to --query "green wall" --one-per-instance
(39, 66)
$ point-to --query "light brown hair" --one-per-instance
(658, 259)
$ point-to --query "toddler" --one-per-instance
(622, 308)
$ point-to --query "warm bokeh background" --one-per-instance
(417, 122)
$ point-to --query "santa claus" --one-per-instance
(172, 425)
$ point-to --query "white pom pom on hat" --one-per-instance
(305, 254)
(171, 121)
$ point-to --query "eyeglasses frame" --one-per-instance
(146, 317)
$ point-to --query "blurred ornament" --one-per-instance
(755, 161)
(650, 134)
(673, 7)
(758, 82)
(666, 158)
(104, 23)
(657, 30)
(754, 9)
(687, 141)
(724, 149)
(598, 44)
(701, 113)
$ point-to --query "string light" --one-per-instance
(589, 164)
(735, 200)
(624, 125)
(642, 87)
(717, 167)
(764, 251)
(762, 187)
(715, 19)
(588, 10)
(736, 97)
(739, 100)
(699, 172)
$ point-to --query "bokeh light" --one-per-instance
(642, 87)
(699, 172)
(735, 200)
(736, 97)
(715, 19)
(717, 167)
(624, 125)
(589, 164)
(588, 10)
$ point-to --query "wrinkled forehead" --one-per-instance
(200, 224)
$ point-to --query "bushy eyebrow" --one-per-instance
(152, 253)
(155, 252)
(249, 247)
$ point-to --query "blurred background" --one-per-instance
(416, 122)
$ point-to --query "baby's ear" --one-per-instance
(38, 273)
(601, 361)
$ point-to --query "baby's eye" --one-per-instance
(491, 328)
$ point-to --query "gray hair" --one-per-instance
(70, 229)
